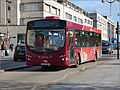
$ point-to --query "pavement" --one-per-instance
(7, 63)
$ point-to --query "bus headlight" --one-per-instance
(28, 59)
(63, 59)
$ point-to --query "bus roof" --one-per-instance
(52, 17)
(73, 24)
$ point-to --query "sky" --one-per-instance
(99, 7)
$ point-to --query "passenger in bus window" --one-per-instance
(76, 43)
(40, 43)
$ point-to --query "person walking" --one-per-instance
(2, 48)
(11, 46)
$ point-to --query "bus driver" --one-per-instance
(40, 43)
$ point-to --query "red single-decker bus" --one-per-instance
(55, 42)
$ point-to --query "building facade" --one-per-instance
(105, 24)
(111, 27)
(22, 11)
(36, 9)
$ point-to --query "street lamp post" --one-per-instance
(7, 1)
(119, 10)
(110, 2)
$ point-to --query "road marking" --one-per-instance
(34, 87)
(65, 75)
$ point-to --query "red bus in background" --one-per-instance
(64, 43)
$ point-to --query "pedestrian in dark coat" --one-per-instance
(2, 48)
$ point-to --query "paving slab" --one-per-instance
(7, 63)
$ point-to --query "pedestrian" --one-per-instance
(2, 48)
(11, 47)
(6, 50)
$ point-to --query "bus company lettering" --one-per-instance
(91, 29)
(85, 57)
(44, 57)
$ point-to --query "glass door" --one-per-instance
(70, 45)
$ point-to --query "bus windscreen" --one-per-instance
(45, 40)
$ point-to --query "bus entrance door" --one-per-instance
(71, 46)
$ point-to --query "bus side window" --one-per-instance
(92, 39)
(82, 39)
(77, 38)
(98, 39)
(86, 39)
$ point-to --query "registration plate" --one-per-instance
(45, 64)
(20, 53)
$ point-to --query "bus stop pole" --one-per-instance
(117, 40)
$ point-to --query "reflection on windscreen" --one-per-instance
(46, 40)
(105, 44)
(20, 48)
